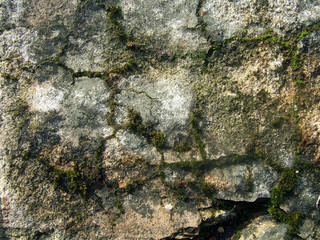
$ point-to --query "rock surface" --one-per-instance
(265, 228)
(159, 120)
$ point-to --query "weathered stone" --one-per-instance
(174, 23)
(164, 99)
(265, 228)
(150, 120)
(241, 181)
(225, 19)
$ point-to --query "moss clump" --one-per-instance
(79, 178)
(178, 190)
(196, 167)
(195, 132)
(135, 122)
(307, 31)
(131, 186)
(295, 60)
(288, 180)
(70, 181)
(264, 37)
(270, 162)
(9, 77)
(304, 165)
(284, 44)
(120, 207)
(129, 65)
(155, 137)
(292, 219)
(285, 185)
(76, 180)
(114, 13)
(158, 139)
(182, 146)
(276, 197)
(300, 83)
(110, 118)
(249, 180)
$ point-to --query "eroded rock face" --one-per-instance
(164, 98)
(226, 19)
(152, 120)
(265, 228)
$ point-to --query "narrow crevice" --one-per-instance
(236, 217)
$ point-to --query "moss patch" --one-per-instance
(284, 186)
(135, 123)
(195, 132)
(183, 146)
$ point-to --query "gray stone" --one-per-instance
(229, 84)
(171, 22)
(164, 99)
(225, 19)
(264, 228)
(307, 230)
(241, 181)
(17, 42)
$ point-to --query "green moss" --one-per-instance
(196, 167)
(82, 176)
(207, 190)
(288, 180)
(178, 190)
(307, 31)
(70, 181)
(114, 13)
(292, 219)
(110, 118)
(249, 180)
(98, 153)
(297, 134)
(304, 166)
(285, 44)
(237, 235)
(295, 60)
(270, 162)
(300, 83)
(285, 185)
(155, 137)
(302, 34)
(158, 139)
(276, 197)
(264, 37)
(131, 186)
(129, 65)
(135, 122)
(217, 46)
(120, 207)
(182, 146)
(9, 77)
(195, 132)
(276, 122)
(202, 56)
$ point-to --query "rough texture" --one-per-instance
(159, 120)
(265, 228)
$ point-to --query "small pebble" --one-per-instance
(220, 230)
(204, 12)
(168, 207)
